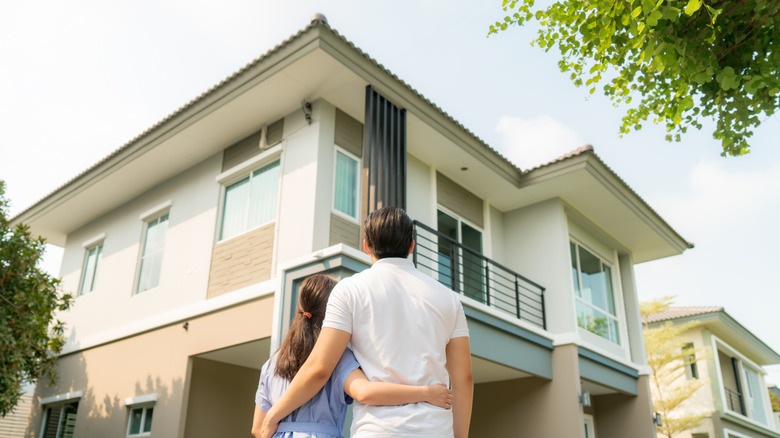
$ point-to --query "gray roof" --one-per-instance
(681, 312)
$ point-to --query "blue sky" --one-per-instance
(79, 79)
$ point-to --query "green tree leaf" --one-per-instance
(693, 6)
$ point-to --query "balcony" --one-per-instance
(470, 273)
(734, 401)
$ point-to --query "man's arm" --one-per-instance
(459, 366)
(310, 378)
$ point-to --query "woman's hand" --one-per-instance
(439, 395)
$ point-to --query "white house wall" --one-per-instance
(186, 257)
(536, 246)
(419, 192)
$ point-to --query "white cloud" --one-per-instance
(531, 142)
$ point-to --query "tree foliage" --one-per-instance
(30, 334)
(775, 401)
(672, 61)
(668, 358)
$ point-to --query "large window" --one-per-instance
(594, 296)
(345, 185)
(250, 202)
(59, 421)
(89, 269)
(152, 253)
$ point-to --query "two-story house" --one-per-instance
(185, 248)
(735, 396)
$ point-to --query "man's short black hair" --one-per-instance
(389, 232)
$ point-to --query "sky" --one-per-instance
(79, 79)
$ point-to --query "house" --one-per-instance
(735, 395)
(185, 248)
(775, 411)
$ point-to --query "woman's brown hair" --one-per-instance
(305, 328)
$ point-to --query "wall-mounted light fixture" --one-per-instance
(585, 398)
(306, 107)
(658, 419)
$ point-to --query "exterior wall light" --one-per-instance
(658, 419)
(585, 399)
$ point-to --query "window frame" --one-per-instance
(148, 218)
(239, 173)
(359, 162)
(96, 243)
(145, 407)
(691, 363)
(61, 403)
(719, 344)
(616, 293)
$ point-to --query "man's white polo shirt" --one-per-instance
(401, 320)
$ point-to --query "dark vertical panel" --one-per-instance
(384, 154)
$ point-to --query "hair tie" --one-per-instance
(307, 314)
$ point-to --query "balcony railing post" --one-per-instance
(455, 265)
(487, 282)
(416, 246)
(517, 297)
(544, 310)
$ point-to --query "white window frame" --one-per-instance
(95, 243)
(743, 361)
(147, 217)
(459, 239)
(616, 294)
(238, 173)
(336, 150)
(590, 425)
(145, 409)
(47, 403)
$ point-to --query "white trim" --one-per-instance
(735, 434)
(237, 172)
(155, 211)
(487, 241)
(140, 399)
(95, 241)
(588, 421)
(240, 296)
(572, 338)
(339, 149)
(75, 395)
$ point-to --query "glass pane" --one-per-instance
(68, 420)
(592, 274)
(756, 401)
(345, 190)
(614, 332)
(135, 421)
(447, 253)
(94, 269)
(234, 212)
(473, 267)
(592, 320)
(148, 420)
(263, 194)
(87, 271)
(575, 273)
(144, 275)
(155, 262)
(609, 294)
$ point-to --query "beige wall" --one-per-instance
(344, 231)
(241, 261)
(618, 413)
(532, 407)
(220, 400)
(154, 362)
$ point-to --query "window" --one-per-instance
(59, 421)
(461, 269)
(345, 185)
(743, 387)
(590, 431)
(594, 295)
(152, 253)
(689, 356)
(250, 202)
(140, 422)
(89, 270)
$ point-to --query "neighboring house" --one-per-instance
(775, 413)
(735, 395)
(185, 248)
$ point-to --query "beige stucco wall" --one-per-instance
(155, 362)
(617, 413)
(241, 261)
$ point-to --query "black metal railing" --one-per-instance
(468, 272)
(734, 401)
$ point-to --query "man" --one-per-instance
(404, 327)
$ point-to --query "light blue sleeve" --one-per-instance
(262, 399)
(346, 365)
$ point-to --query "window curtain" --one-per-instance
(345, 199)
